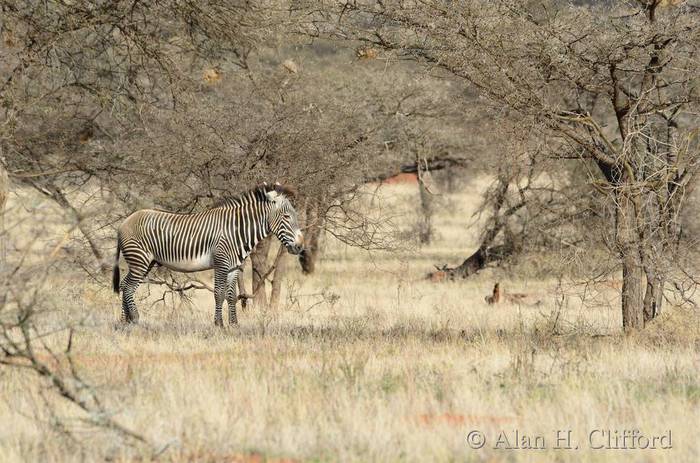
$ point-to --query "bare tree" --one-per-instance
(614, 86)
(37, 334)
(106, 108)
(175, 104)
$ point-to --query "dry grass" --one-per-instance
(368, 362)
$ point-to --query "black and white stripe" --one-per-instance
(220, 238)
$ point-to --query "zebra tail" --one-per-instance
(115, 270)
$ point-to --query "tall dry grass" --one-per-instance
(367, 361)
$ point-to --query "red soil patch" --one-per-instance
(122, 366)
(142, 358)
(461, 420)
(401, 178)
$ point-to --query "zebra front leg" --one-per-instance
(220, 287)
(232, 295)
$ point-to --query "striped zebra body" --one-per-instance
(220, 238)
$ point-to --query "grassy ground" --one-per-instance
(369, 362)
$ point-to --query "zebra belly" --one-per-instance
(195, 264)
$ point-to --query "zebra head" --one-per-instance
(283, 220)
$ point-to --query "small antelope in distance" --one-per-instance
(497, 296)
(220, 238)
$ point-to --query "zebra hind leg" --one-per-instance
(130, 313)
(137, 273)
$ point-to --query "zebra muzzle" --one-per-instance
(295, 249)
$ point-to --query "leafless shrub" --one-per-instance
(611, 86)
(36, 340)
(172, 105)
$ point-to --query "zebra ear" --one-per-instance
(272, 195)
(285, 190)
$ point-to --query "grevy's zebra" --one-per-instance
(219, 238)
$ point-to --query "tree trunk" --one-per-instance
(278, 277)
(632, 270)
(632, 292)
(426, 225)
(312, 234)
(259, 270)
(654, 297)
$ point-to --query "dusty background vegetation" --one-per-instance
(365, 360)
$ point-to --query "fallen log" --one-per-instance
(476, 262)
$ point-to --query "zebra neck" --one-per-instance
(255, 229)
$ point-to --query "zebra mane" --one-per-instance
(256, 194)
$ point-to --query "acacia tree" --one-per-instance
(174, 104)
(81, 81)
(615, 86)
(108, 107)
